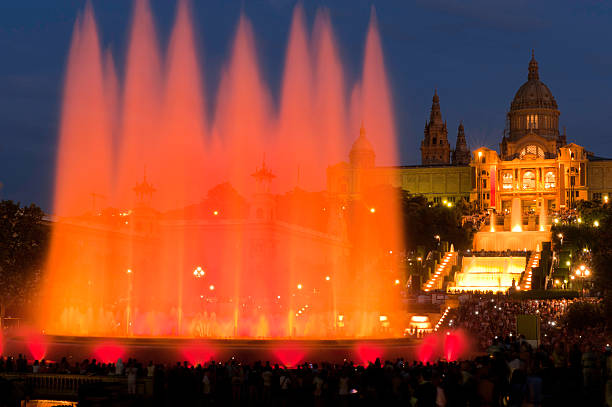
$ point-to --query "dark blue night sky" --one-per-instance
(474, 52)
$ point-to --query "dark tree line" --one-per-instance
(23, 244)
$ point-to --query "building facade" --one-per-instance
(534, 163)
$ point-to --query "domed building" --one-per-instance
(533, 119)
(535, 164)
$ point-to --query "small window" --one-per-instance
(597, 196)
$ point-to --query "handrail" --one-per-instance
(68, 384)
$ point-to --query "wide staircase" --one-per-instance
(442, 270)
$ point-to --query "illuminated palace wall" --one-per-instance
(138, 153)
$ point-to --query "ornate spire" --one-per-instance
(362, 131)
(533, 68)
(461, 155)
(435, 116)
(263, 176)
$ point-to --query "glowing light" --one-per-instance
(199, 272)
(397, 282)
(299, 286)
(327, 278)
(419, 318)
(129, 271)
(596, 223)
(211, 287)
(382, 318)
(372, 210)
(215, 213)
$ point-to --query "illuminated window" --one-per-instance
(550, 180)
(532, 121)
(532, 151)
(529, 180)
(507, 180)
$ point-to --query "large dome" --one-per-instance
(533, 94)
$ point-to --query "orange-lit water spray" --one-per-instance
(207, 228)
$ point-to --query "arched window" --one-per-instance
(532, 150)
(529, 180)
(532, 121)
(550, 180)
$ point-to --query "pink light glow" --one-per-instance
(289, 357)
(109, 352)
(36, 346)
(455, 345)
(368, 353)
(428, 349)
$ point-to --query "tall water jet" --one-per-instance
(330, 100)
(111, 88)
(375, 103)
(181, 181)
(242, 94)
(181, 147)
(516, 216)
(543, 216)
(83, 182)
(266, 266)
(296, 152)
(141, 96)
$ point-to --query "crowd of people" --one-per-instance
(565, 368)
(490, 317)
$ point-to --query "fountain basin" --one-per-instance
(287, 352)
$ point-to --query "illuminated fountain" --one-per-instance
(166, 221)
(516, 236)
(516, 216)
(489, 273)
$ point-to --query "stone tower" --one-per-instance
(434, 147)
(362, 154)
(461, 154)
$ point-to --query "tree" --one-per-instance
(23, 245)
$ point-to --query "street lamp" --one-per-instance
(582, 272)
(199, 272)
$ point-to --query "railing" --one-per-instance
(442, 270)
(533, 262)
(67, 385)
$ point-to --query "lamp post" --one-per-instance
(582, 272)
